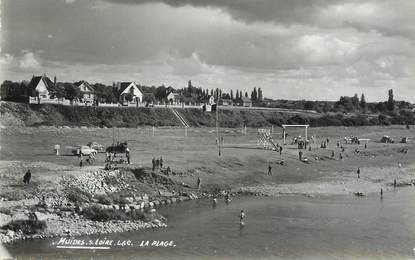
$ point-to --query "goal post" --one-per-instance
(285, 126)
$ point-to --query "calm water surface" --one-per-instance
(289, 227)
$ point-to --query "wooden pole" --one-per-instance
(217, 124)
(153, 130)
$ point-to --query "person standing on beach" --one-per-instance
(332, 154)
(300, 155)
(153, 161)
(269, 170)
(394, 183)
(161, 162)
(358, 173)
(27, 177)
(242, 217)
(199, 183)
(157, 164)
(127, 154)
(280, 149)
(381, 192)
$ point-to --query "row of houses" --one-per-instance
(42, 86)
(128, 91)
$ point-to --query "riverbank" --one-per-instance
(21, 114)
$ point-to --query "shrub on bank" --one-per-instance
(96, 213)
(78, 196)
(28, 227)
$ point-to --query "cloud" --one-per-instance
(29, 61)
(70, 1)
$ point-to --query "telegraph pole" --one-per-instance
(217, 121)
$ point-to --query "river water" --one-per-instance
(287, 227)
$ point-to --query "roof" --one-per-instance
(36, 79)
(86, 84)
(121, 86)
(245, 99)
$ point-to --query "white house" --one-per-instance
(129, 88)
(173, 98)
(87, 91)
(40, 86)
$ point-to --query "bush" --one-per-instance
(118, 198)
(104, 199)
(95, 213)
(78, 196)
(26, 226)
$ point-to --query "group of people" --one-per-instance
(157, 163)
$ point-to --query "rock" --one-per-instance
(44, 216)
(173, 200)
(4, 219)
(10, 233)
(20, 216)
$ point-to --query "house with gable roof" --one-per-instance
(87, 91)
(128, 90)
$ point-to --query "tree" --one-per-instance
(363, 104)
(246, 94)
(391, 102)
(71, 92)
(355, 101)
(260, 98)
(231, 94)
(254, 96)
(149, 98)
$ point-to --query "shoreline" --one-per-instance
(67, 223)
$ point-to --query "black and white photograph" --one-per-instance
(207, 129)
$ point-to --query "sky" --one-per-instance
(291, 49)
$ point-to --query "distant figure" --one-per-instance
(228, 197)
(381, 192)
(157, 164)
(338, 143)
(215, 201)
(343, 149)
(394, 183)
(407, 127)
(242, 217)
(161, 162)
(332, 154)
(222, 139)
(168, 171)
(358, 173)
(327, 141)
(199, 183)
(127, 154)
(365, 145)
(81, 163)
(153, 161)
(300, 155)
(341, 156)
(27, 177)
(281, 150)
(269, 170)
(57, 148)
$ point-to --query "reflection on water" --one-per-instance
(283, 227)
